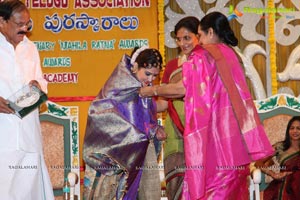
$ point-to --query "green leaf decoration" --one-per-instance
(268, 105)
(52, 108)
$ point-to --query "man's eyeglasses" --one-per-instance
(28, 25)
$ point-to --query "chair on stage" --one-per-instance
(274, 112)
(60, 133)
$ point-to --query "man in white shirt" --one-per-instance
(22, 167)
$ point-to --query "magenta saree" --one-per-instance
(223, 133)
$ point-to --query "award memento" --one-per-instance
(26, 100)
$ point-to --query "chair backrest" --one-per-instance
(275, 112)
(60, 133)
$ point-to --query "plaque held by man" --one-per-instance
(27, 99)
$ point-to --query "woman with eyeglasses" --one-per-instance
(186, 37)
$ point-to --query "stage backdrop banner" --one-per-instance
(81, 41)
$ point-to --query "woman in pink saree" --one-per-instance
(223, 132)
(221, 120)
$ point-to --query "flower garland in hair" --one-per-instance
(137, 53)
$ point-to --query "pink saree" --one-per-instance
(223, 133)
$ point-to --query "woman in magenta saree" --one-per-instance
(223, 132)
(220, 138)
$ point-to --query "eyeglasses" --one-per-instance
(183, 39)
(28, 24)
